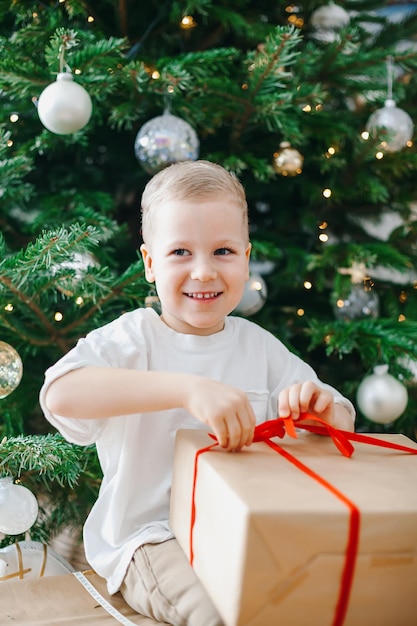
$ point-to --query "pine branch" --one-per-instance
(382, 340)
(48, 456)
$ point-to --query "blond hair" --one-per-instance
(189, 180)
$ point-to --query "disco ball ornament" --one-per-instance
(381, 397)
(287, 161)
(164, 140)
(11, 369)
(394, 125)
(18, 507)
(64, 107)
(360, 303)
(254, 296)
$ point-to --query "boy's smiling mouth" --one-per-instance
(203, 296)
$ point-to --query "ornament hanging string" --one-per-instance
(68, 40)
(390, 75)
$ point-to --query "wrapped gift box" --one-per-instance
(273, 536)
(64, 601)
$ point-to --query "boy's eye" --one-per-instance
(223, 251)
(180, 252)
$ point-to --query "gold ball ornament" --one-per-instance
(287, 161)
(11, 369)
(64, 107)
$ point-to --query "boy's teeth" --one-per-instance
(202, 296)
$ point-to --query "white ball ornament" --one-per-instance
(381, 397)
(64, 107)
(254, 296)
(330, 16)
(18, 507)
(327, 20)
(397, 123)
(164, 140)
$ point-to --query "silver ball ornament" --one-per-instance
(164, 140)
(381, 397)
(64, 107)
(11, 369)
(397, 124)
(361, 303)
(254, 295)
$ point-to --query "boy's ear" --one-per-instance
(147, 262)
(247, 252)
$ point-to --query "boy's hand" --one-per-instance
(225, 409)
(306, 397)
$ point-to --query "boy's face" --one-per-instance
(198, 256)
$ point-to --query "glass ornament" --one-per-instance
(381, 397)
(287, 161)
(11, 369)
(164, 140)
(254, 295)
(393, 124)
(64, 107)
(18, 507)
(360, 303)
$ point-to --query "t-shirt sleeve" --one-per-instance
(119, 344)
(80, 431)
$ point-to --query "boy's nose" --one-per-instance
(203, 270)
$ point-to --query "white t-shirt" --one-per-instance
(136, 451)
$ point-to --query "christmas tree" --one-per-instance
(311, 105)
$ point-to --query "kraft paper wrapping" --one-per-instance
(63, 601)
(269, 542)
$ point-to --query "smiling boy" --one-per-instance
(130, 385)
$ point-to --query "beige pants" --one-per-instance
(161, 584)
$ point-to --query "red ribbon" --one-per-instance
(342, 440)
